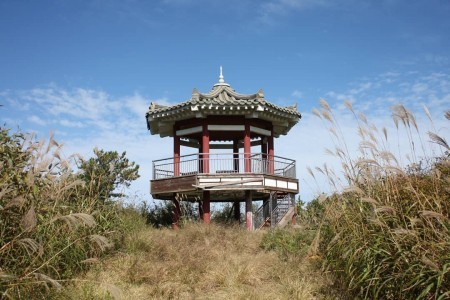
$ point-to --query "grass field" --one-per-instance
(201, 262)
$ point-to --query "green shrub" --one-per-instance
(160, 214)
(311, 216)
(288, 243)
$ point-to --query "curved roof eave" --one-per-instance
(221, 100)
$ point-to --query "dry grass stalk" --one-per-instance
(38, 189)
(395, 212)
(76, 219)
(200, 262)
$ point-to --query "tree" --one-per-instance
(106, 173)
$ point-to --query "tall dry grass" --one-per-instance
(50, 228)
(199, 262)
(386, 235)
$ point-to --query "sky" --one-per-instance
(88, 70)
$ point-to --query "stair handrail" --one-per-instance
(276, 218)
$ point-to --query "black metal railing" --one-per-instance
(207, 163)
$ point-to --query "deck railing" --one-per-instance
(221, 163)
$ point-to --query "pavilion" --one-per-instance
(225, 128)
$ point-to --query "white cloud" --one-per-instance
(419, 87)
(79, 103)
(136, 104)
(361, 88)
(437, 59)
(373, 98)
(68, 123)
(297, 94)
(269, 10)
(36, 120)
(307, 142)
(83, 119)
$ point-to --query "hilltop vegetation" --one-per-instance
(386, 235)
(200, 262)
(55, 222)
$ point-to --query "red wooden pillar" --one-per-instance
(205, 148)
(236, 156)
(176, 214)
(271, 153)
(248, 210)
(206, 207)
(176, 155)
(247, 162)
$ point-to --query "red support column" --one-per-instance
(247, 162)
(271, 154)
(176, 155)
(248, 210)
(236, 156)
(205, 148)
(206, 207)
(176, 214)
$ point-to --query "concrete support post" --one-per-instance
(248, 210)
(206, 207)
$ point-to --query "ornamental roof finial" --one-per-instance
(221, 80)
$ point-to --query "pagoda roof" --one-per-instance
(222, 100)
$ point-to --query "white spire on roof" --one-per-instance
(221, 80)
(221, 76)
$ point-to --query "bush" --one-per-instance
(160, 215)
(311, 216)
(288, 243)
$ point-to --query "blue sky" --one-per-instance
(87, 70)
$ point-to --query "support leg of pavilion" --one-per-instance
(248, 210)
